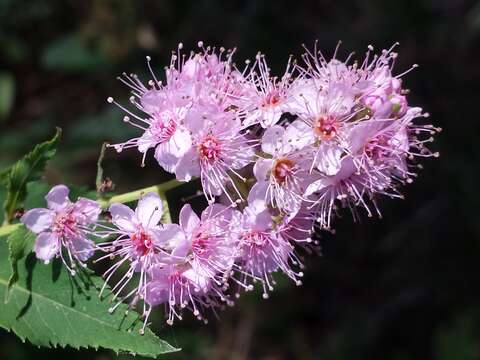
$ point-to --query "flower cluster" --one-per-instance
(277, 158)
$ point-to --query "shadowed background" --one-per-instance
(402, 287)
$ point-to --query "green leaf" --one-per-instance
(3, 196)
(28, 169)
(36, 192)
(20, 244)
(50, 308)
(7, 94)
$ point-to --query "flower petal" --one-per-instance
(47, 245)
(38, 220)
(272, 139)
(329, 159)
(188, 166)
(262, 169)
(169, 153)
(57, 198)
(123, 217)
(149, 210)
(86, 211)
(83, 248)
(298, 135)
(188, 219)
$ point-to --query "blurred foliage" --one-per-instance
(403, 287)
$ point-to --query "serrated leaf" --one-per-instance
(49, 308)
(28, 169)
(36, 191)
(20, 244)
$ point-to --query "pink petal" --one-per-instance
(199, 282)
(146, 141)
(149, 210)
(123, 217)
(86, 210)
(169, 153)
(272, 140)
(83, 248)
(216, 209)
(262, 169)
(188, 219)
(271, 116)
(47, 245)
(298, 135)
(329, 159)
(256, 197)
(38, 220)
(57, 198)
(188, 166)
(152, 100)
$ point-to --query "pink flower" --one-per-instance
(141, 241)
(219, 149)
(328, 120)
(377, 165)
(63, 226)
(208, 247)
(271, 97)
(179, 287)
(264, 248)
(285, 168)
(196, 277)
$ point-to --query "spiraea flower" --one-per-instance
(140, 241)
(196, 275)
(270, 97)
(219, 149)
(208, 247)
(285, 169)
(63, 228)
(263, 248)
(285, 153)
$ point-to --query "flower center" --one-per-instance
(377, 148)
(255, 239)
(142, 242)
(325, 127)
(65, 224)
(163, 129)
(200, 243)
(282, 170)
(209, 149)
(272, 98)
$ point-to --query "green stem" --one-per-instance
(160, 189)
(7, 229)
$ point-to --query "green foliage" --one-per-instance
(3, 195)
(28, 169)
(20, 244)
(50, 308)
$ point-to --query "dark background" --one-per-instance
(402, 287)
